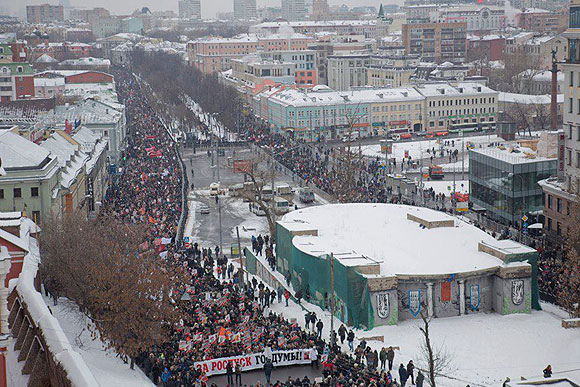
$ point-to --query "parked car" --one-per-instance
(204, 210)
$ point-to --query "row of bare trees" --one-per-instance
(125, 290)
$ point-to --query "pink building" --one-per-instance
(211, 55)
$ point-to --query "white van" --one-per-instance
(283, 189)
(257, 210)
(267, 193)
(214, 189)
(281, 205)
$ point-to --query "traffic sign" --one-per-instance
(525, 225)
(525, 218)
(185, 239)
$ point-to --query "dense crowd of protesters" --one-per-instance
(223, 316)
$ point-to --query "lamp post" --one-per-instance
(523, 207)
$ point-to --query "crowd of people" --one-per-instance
(223, 316)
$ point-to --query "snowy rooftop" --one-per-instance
(439, 89)
(320, 23)
(528, 99)
(382, 233)
(18, 152)
(512, 154)
(325, 96)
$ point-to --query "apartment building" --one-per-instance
(543, 21)
(210, 55)
(347, 71)
(44, 13)
(244, 9)
(436, 42)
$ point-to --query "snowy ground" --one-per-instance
(444, 186)
(418, 149)
(108, 369)
(213, 124)
(484, 348)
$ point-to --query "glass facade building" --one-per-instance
(506, 184)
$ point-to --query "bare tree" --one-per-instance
(569, 292)
(261, 176)
(121, 285)
(437, 359)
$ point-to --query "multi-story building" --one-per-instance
(321, 111)
(491, 46)
(16, 81)
(504, 181)
(44, 13)
(305, 60)
(90, 15)
(477, 19)
(561, 191)
(347, 71)
(465, 106)
(319, 9)
(104, 27)
(244, 9)
(371, 29)
(31, 178)
(293, 10)
(538, 49)
(391, 68)
(543, 21)
(62, 50)
(436, 42)
(189, 9)
(211, 55)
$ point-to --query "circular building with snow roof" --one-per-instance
(393, 262)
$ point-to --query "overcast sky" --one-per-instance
(208, 7)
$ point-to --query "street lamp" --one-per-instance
(523, 207)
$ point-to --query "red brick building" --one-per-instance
(89, 77)
(492, 45)
(543, 21)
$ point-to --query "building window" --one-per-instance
(570, 105)
(559, 205)
(569, 157)
(558, 228)
(17, 192)
(571, 78)
(34, 192)
(1, 194)
(36, 217)
(549, 224)
(549, 201)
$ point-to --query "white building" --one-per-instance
(477, 18)
(465, 106)
(347, 71)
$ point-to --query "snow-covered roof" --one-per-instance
(535, 10)
(528, 99)
(70, 159)
(320, 23)
(383, 233)
(90, 61)
(45, 58)
(49, 82)
(327, 96)
(92, 143)
(18, 152)
(512, 154)
(445, 89)
(542, 76)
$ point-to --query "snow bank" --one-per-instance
(58, 345)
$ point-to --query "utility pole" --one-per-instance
(331, 300)
(220, 223)
(462, 155)
(243, 279)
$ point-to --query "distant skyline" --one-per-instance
(209, 8)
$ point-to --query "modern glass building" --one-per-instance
(505, 181)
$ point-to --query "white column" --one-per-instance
(461, 297)
(430, 299)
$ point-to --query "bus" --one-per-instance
(257, 210)
(283, 189)
(214, 189)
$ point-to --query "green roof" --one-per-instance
(26, 68)
(7, 49)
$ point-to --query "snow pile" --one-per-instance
(78, 372)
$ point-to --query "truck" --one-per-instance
(436, 172)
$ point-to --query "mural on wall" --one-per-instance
(414, 302)
(383, 306)
(474, 298)
(518, 291)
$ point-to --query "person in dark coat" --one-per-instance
(420, 379)
(390, 357)
(410, 369)
(268, 367)
(548, 371)
(342, 333)
(319, 326)
(350, 340)
(383, 357)
(402, 375)
(230, 373)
